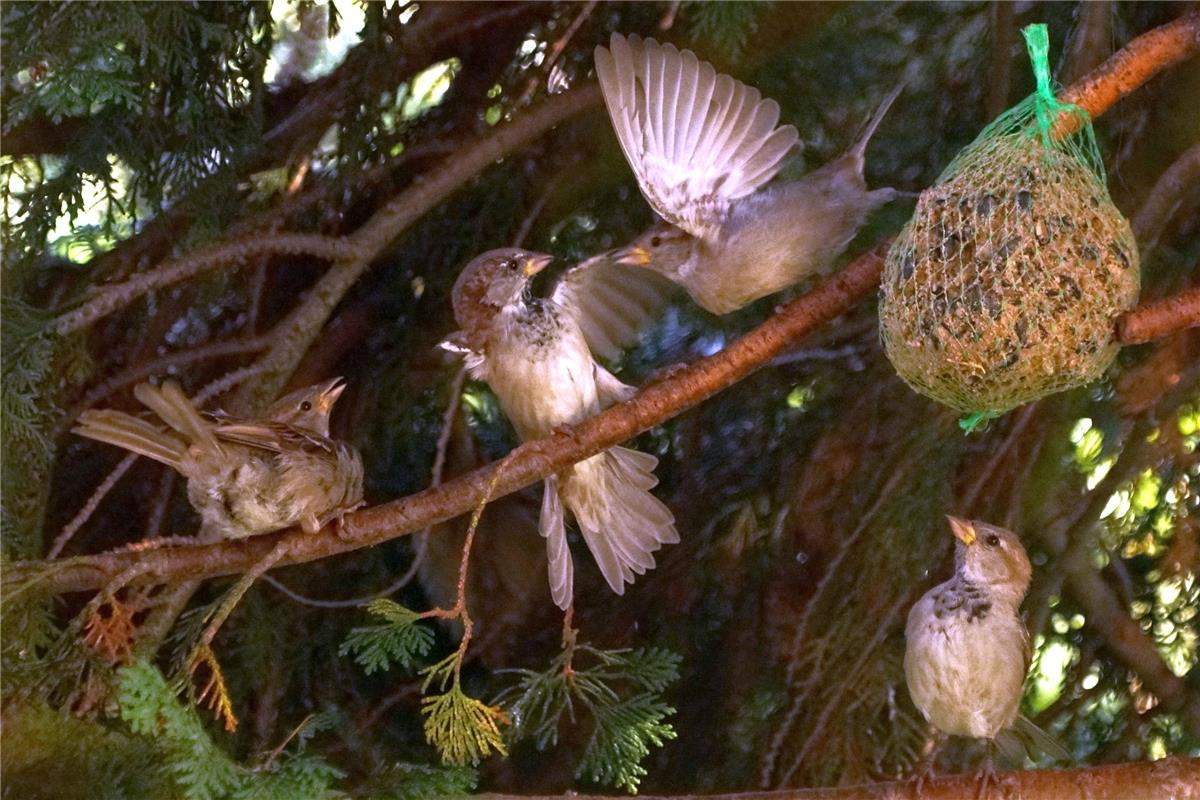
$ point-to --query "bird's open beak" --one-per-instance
(634, 256)
(535, 264)
(963, 530)
(332, 391)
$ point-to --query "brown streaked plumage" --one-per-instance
(244, 477)
(535, 355)
(703, 146)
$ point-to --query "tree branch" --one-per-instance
(112, 298)
(1157, 318)
(534, 460)
(1168, 779)
(1136, 63)
(1169, 191)
(297, 331)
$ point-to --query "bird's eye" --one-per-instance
(511, 264)
(306, 406)
(655, 241)
(992, 540)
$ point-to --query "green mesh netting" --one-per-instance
(1004, 285)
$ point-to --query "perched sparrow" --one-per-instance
(245, 476)
(535, 355)
(701, 146)
(968, 650)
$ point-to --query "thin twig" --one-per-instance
(115, 297)
(90, 506)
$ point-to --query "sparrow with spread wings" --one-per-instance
(537, 356)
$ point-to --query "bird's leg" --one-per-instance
(665, 373)
(339, 519)
(987, 776)
(926, 772)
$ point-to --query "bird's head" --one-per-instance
(991, 555)
(494, 280)
(308, 408)
(664, 249)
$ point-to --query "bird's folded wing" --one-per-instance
(696, 140)
(612, 303)
(273, 436)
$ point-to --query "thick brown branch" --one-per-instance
(1136, 63)
(531, 462)
(1168, 779)
(1157, 318)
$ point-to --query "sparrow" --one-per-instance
(244, 477)
(536, 354)
(702, 146)
(967, 648)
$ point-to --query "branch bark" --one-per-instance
(1168, 779)
(529, 463)
(1157, 318)
(1136, 63)
(534, 460)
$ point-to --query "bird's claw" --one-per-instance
(567, 431)
(666, 373)
(924, 775)
(990, 780)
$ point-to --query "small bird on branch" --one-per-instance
(536, 354)
(968, 650)
(245, 477)
(702, 145)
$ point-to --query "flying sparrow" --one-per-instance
(535, 355)
(968, 650)
(701, 146)
(245, 477)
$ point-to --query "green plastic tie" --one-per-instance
(1037, 41)
(972, 421)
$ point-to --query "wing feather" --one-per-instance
(612, 303)
(696, 140)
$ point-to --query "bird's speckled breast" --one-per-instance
(540, 368)
(965, 660)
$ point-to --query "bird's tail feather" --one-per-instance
(622, 523)
(859, 148)
(553, 527)
(138, 435)
(174, 408)
(1025, 738)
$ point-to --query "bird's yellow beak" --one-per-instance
(635, 256)
(535, 264)
(329, 395)
(963, 530)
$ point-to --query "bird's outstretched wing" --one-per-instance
(612, 303)
(696, 140)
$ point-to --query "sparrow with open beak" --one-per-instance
(245, 477)
(702, 146)
(536, 354)
(968, 650)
